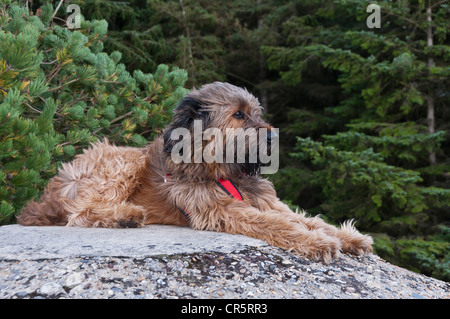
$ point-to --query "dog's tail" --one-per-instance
(45, 213)
(48, 212)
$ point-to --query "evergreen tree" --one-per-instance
(59, 91)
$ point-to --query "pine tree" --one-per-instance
(59, 92)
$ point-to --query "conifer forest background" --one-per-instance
(364, 113)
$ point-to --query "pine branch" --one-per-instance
(57, 8)
(62, 85)
(114, 121)
(35, 110)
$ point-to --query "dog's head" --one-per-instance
(222, 129)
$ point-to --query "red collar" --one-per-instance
(226, 184)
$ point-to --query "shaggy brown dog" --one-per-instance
(110, 186)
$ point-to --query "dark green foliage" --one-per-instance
(59, 91)
(379, 191)
(426, 255)
(131, 31)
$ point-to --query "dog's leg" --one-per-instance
(352, 241)
(86, 213)
(273, 228)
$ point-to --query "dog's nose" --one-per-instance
(271, 135)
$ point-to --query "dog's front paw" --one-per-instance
(322, 248)
(128, 223)
(130, 216)
(357, 245)
(354, 242)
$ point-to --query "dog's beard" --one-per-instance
(252, 164)
(249, 161)
(251, 169)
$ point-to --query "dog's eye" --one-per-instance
(238, 115)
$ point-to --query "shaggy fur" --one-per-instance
(110, 186)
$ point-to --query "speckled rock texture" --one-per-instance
(172, 263)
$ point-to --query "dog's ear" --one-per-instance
(186, 112)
